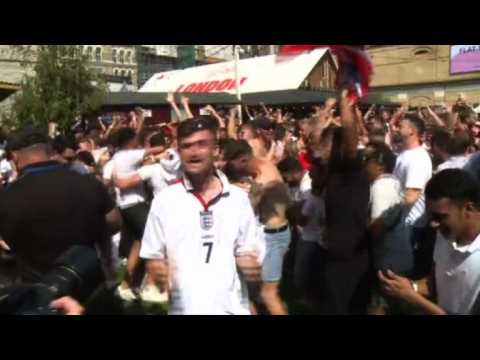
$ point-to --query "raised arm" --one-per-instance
(214, 113)
(247, 111)
(173, 104)
(140, 115)
(368, 113)
(350, 132)
(186, 106)
(435, 117)
(232, 126)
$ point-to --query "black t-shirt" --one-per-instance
(346, 204)
(49, 209)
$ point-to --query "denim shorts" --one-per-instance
(276, 247)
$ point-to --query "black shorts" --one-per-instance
(134, 221)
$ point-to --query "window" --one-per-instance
(121, 58)
(422, 51)
(98, 54)
(129, 57)
(90, 53)
(115, 72)
(114, 56)
(123, 73)
(129, 74)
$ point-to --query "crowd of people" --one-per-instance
(368, 210)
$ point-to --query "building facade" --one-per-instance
(152, 59)
(420, 75)
(117, 63)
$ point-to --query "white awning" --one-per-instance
(260, 74)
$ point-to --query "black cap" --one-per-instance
(27, 137)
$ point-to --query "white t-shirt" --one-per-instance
(299, 193)
(314, 209)
(108, 175)
(126, 163)
(163, 174)
(454, 162)
(98, 153)
(457, 275)
(5, 168)
(158, 178)
(414, 170)
(202, 252)
(385, 192)
(394, 250)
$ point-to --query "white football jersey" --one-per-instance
(201, 246)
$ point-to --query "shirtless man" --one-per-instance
(270, 199)
(259, 135)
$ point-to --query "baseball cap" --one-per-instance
(27, 137)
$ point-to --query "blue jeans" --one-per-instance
(277, 246)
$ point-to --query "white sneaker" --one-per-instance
(151, 294)
(126, 294)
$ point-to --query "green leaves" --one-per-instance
(62, 88)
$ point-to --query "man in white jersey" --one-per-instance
(158, 175)
(453, 202)
(133, 206)
(200, 239)
(414, 169)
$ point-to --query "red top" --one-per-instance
(305, 159)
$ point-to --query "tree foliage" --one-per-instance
(61, 89)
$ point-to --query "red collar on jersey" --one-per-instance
(225, 189)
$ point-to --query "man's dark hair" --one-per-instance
(441, 139)
(466, 115)
(454, 184)
(418, 123)
(235, 149)
(123, 136)
(61, 142)
(145, 133)
(263, 123)
(200, 123)
(27, 137)
(382, 154)
(158, 140)
(250, 125)
(86, 157)
(223, 143)
(459, 143)
(289, 164)
(279, 132)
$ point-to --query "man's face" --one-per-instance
(374, 170)
(304, 130)
(293, 178)
(222, 134)
(267, 135)
(476, 130)
(246, 133)
(449, 217)
(386, 116)
(198, 152)
(69, 155)
(436, 152)
(85, 146)
(406, 129)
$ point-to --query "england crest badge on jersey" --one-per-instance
(206, 220)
